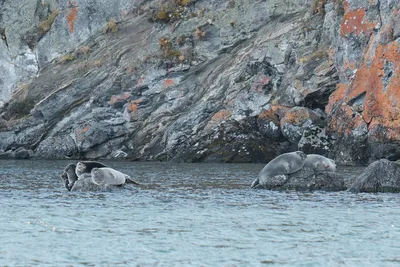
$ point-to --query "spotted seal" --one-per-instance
(84, 168)
(319, 163)
(283, 164)
(109, 176)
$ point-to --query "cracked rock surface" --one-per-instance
(215, 81)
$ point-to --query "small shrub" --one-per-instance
(316, 55)
(172, 10)
(67, 58)
(318, 7)
(84, 50)
(166, 48)
(98, 63)
(340, 8)
(45, 26)
(111, 26)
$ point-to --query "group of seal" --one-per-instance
(92, 174)
(292, 162)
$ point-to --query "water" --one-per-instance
(189, 215)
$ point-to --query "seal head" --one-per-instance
(84, 168)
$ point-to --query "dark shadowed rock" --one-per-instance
(22, 153)
(380, 176)
(297, 120)
(19, 153)
(307, 180)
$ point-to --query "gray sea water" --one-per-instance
(189, 215)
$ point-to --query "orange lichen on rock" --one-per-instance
(81, 133)
(297, 116)
(275, 113)
(354, 22)
(378, 79)
(168, 83)
(222, 115)
(133, 105)
(336, 97)
(115, 98)
(346, 121)
(84, 130)
(72, 15)
(218, 118)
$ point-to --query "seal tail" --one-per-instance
(255, 183)
(129, 180)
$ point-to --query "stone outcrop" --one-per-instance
(307, 180)
(380, 176)
(216, 81)
(365, 108)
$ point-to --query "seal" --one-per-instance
(320, 163)
(109, 176)
(283, 164)
(69, 176)
(84, 168)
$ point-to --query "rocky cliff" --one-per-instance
(205, 80)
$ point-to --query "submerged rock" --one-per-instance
(380, 176)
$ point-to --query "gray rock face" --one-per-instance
(157, 80)
(307, 180)
(380, 176)
(190, 89)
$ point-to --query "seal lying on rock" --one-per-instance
(319, 163)
(101, 176)
(83, 168)
(93, 176)
(284, 164)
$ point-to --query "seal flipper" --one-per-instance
(129, 180)
(255, 183)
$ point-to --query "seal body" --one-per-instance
(108, 176)
(69, 176)
(283, 164)
(320, 163)
(84, 168)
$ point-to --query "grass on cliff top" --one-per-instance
(45, 25)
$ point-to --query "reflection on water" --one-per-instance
(189, 215)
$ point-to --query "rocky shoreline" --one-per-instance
(199, 81)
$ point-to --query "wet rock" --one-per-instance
(19, 153)
(380, 176)
(307, 180)
(22, 153)
(86, 184)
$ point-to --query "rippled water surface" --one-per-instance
(189, 215)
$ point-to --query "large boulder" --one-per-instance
(86, 184)
(307, 180)
(380, 176)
